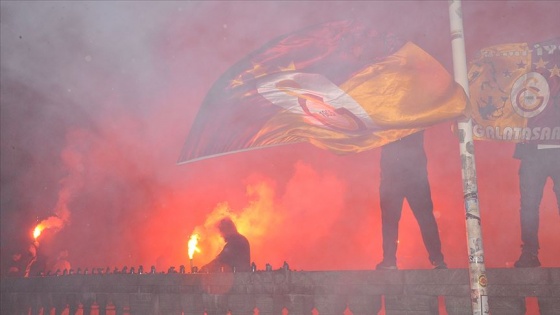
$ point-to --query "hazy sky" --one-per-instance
(97, 99)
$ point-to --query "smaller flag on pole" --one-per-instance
(340, 86)
(515, 92)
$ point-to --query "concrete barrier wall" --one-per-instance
(280, 292)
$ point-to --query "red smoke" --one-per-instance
(122, 200)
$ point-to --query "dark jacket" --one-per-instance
(235, 256)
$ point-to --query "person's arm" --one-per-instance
(216, 263)
(209, 267)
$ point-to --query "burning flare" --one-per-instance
(37, 231)
(193, 242)
(52, 222)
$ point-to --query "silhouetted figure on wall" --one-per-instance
(61, 263)
(404, 175)
(236, 254)
(16, 265)
(537, 165)
(37, 263)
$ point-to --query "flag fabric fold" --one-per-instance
(340, 86)
(515, 90)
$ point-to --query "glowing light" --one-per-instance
(193, 242)
(37, 231)
(52, 222)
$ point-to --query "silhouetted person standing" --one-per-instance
(404, 175)
(535, 168)
(236, 254)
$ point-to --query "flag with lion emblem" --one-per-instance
(515, 91)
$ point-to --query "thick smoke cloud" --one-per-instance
(97, 99)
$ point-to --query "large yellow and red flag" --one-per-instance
(515, 92)
(340, 86)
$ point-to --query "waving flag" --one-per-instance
(340, 86)
(515, 92)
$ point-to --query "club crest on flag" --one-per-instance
(319, 101)
(530, 94)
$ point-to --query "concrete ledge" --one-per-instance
(274, 292)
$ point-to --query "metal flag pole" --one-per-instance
(477, 270)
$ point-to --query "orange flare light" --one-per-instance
(193, 242)
(37, 231)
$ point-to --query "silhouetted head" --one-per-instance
(227, 227)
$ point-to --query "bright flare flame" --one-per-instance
(52, 222)
(38, 229)
(193, 242)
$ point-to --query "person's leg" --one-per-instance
(391, 200)
(531, 184)
(532, 178)
(420, 201)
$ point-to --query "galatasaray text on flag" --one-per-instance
(340, 86)
(515, 92)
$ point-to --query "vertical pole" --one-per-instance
(477, 270)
